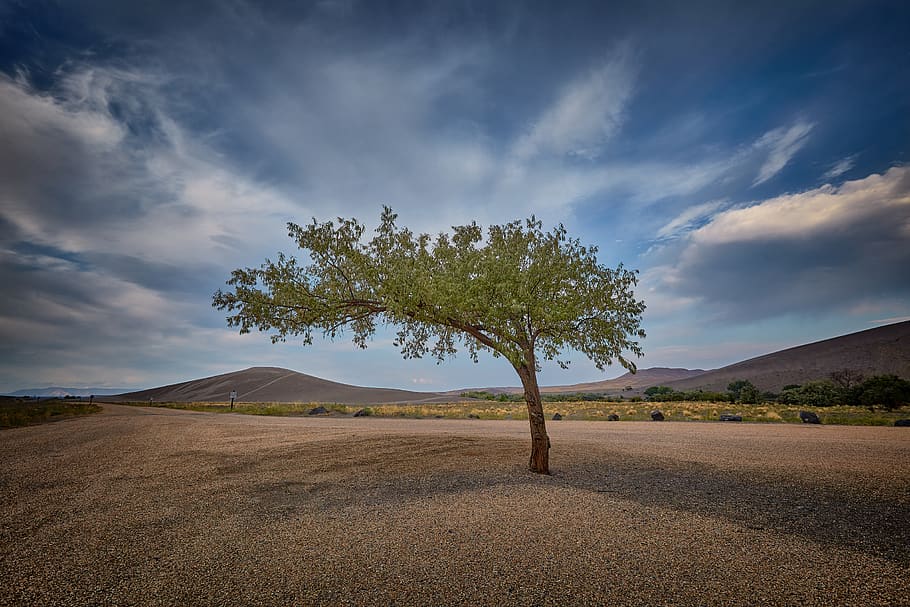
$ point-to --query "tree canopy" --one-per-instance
(520, 293)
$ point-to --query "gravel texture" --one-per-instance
(139, 506)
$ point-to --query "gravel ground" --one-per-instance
(139, 506)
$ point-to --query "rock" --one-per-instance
(657, 416)
(318, 411)
(612, 418)
(473, 416)
(362, 413)
(557, 416)
(902, 423)
(729, 417)
(808, 417)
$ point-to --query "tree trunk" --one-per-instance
(540, 442)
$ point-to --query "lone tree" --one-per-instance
(521, 294)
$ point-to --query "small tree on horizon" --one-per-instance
(743, 391)
(522, 294)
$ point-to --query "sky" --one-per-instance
(750, 160)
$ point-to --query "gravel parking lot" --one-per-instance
(139, 506)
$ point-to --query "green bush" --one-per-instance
(886, 391)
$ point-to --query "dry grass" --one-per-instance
(15, 412)
(581, 410)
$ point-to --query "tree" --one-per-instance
(819, 393)
(887, 391)
(848, 383)
(658, 392)
(846, 379)
(743, 391)
(522, 294)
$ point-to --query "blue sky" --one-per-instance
(750, 159)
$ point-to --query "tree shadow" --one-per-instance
(874, 524)
(376, 475)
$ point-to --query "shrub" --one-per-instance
(743, 391)
(886, 391)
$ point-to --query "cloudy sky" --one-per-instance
(751, 161)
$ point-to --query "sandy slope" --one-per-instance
(874, 352)
(157, 507)
(274, 384)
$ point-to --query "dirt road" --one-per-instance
(140, 506)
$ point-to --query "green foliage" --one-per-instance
(519, 292)
(502, 397)
(665, 394)
(886, 391)
(658, 392)
(743, 391)
(849, 388)
(821, 393)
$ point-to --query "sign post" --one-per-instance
(233, 396)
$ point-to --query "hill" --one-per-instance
(876, 351)
(273, 384)
(637, 381)
(58, 392)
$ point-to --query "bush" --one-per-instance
(886, 391)
(743, 391)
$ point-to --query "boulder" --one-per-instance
(557, 416)
(657, 416)
(729, 417)
(318, 411)
(612, 418)
(808, 417)
(902, 423)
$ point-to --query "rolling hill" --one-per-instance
(638, 381)
(878, 351)
(273, 384)
(872, 352)
(59, 392)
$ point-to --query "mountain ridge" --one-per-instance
(877, 351)
(276, 384)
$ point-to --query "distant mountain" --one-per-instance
(640, 380)
(63, 392)
(883, 350)
(273, 384)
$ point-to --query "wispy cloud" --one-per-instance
(689, 219)
(840, 167)
(587, 113)
(782, 144)
(819, 211)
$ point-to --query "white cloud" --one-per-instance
(31, 118)
(587, 113)
(75, 181)
(840, 167)
(826, 249)
(690, 218)
(802, 215)
(783, 144)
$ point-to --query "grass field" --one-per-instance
(583, 410)
(16, 412)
